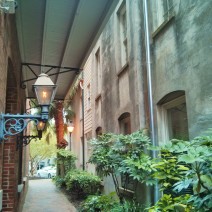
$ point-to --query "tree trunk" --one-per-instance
(59, 123)
(61, 142)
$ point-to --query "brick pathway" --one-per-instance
(43, 196)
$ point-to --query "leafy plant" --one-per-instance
(66, 160)
(59, 181)
(103, 203)
(82, 182)
(138, 167)
(168, 203)
(167, 170)
(198, 155)
(185, 165)
(128, 206)
(114, 154)
(183, 168)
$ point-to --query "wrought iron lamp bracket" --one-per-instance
(25, 140)
(11, 124)
(30, 67)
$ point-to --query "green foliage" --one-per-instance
(182, 165)
(138, 167)
(167, 169)
(68, 113)
(167, 204)
(198, 155)
(82, 182)
(128, 206)
(103, 203)
(59, 181)
(40, 150)
(109, 150)
(114, 154)
(66, 158)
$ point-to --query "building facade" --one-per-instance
(117, 97)
(12, 100)
(181, 38)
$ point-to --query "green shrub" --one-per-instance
(66, 159)
(106, 203)
(82, 182)
(114, 154)
(185, 167)
(128, 206)
(168, 203)
(102, 203)
(59, 181)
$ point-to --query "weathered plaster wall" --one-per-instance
(182, 61)
(76, 145)
(88, 116)
(122, 92)
(123, 89)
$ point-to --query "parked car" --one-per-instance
(47, 172)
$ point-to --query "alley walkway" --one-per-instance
(43, 196)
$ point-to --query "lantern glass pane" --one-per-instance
(40, 126)
(70, 129)
(44, 94)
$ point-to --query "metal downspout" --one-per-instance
(83, 127)
(149, 80)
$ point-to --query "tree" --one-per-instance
(59, 112)
(114, 154)
(41, 149)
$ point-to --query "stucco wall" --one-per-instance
(122, 88)
(182, 61)
(76, 145)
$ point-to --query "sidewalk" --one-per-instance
(43, 196)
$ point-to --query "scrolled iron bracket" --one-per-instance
(25, 140)
(14, 124)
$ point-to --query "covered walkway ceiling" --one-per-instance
(59, 33)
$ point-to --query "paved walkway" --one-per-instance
(43, 196)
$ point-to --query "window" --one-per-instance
(168, 8)
(98, 131)
(88, 97)
(172, 118)
(98, 72)
(177, 122)
(125, 128)
(163, 11)
(124, 123)
(122, 17)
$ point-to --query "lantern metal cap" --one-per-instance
(45, 90)
(44, 79)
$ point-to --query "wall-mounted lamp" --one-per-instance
(24, 140)
(11, 124)
(70, 127)
(40, 127)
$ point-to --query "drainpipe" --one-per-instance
(83, 127)
(149, 81)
